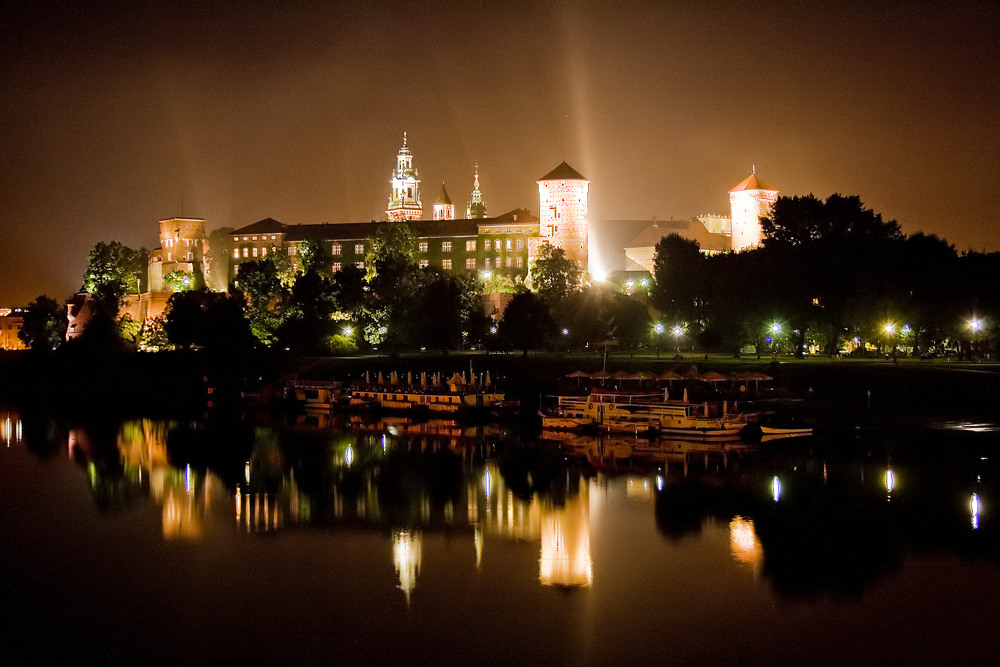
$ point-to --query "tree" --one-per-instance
(258, 280)
(308, 322)
(114, 270)
(394, 242)
(313, 255)
(630, 321)
(349, 288)
(526, 322)
(679, 275)
(207, 319)
(553, 275)
(180, 281)
(44, 324)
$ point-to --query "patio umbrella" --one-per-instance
(488, 383)
(669, 376)
(423, 377)
(380, 380)
(409, 377)
(601, 375)
(714, 376)
(393, 378)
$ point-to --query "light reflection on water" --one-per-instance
(601, 517)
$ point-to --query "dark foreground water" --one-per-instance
(223, 541)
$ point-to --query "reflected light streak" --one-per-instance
(743, 542)
(974, 509)
(565, 555)
(349, 456)
(406, 559)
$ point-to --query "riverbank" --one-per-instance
(867, 393)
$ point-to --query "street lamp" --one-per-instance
(348, 331)
(677, 338)
(890, 329)
(659, 330)
(975, 325)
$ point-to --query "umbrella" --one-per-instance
(367, 379)
(409, 377)
(380, 380)
(456, 379)
(714, 376)
(423, 377)
(578, 374)
(669, 376)
(644, 375)
(622, 375)
(685, 399)
(393, 378)
(601, 375)
(488, 378)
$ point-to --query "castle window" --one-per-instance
(255, 251)
(291, 250)
(263, 253)
(359, 248)
(246, 253)
(470, 246)
(423, 264)
(520, 244)
(255, 238)
(422, 246)
(470, 263)
(336, 249)
(508, 230)
(236, 253)
(488, 245)
(336, 267)
(508, 261)
(446, 246)
(446, 264)
(489, 263)
(508, 244)
(360, 265)
(520, 262)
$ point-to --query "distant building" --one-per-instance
(563, 209)
(444, 209)
(748, 202)
(11, 321)
(404, 201)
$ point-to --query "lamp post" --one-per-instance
(890, 329)
(677, 339)
(974, 326)
(659, 330)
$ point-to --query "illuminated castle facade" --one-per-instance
(404, 202)
(749, 202)
(506, 243)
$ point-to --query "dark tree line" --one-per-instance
(830, 273)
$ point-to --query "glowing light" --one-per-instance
(349, 456)
(493, 330)
(743, 542)
(406, 558)
(659, 328)
(906, 329)
(187, 478)
(565, 332)
(381, 330)
(776, 488)
(659, 482)
(890, 328)
(644, 283)
(775, 328)
(486, 483)
(348, 331)
(890, 480)
(383, 443)
(486, 275)
(247, 472)
(678, 331)
(630, 284)
(975, 324)
(565, 558)
(974, 509)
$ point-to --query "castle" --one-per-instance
(506, 243)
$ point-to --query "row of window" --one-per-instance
(446, 264)
(359, 249)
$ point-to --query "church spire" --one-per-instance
(476, 207)
(404, 201)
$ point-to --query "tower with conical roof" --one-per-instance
(477, 207)
(443, 208)
(563, 209)
(749, 202)
(404, 202)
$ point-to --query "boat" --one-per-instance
(316, 395)
(645, 414)
(436, 399)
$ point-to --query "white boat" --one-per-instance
(443, 400)
(640, 414)
(316, 395)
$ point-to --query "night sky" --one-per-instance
(113, 114)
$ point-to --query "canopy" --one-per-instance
(669, 375)
(578, 374)
(714, 376)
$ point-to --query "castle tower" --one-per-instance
(477, 207)
(749, 201)
(404, 202)
(443, 208)
(563, 210)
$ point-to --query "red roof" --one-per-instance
(751, 182)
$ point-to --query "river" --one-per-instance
(153, 541)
